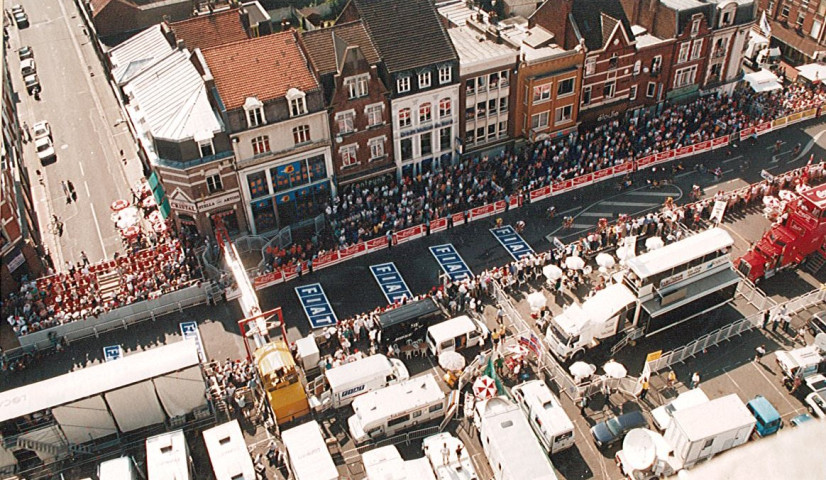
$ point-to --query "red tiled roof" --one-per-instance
(264, 67)
(205, 31)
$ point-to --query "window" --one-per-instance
(817, 25)
(260, 145)
(480, 134)
(770, 8)
(493, 80)
(425, 113)
(470, 85)
(491, 131)
(426, 143)
(255, 117)
(565, 87)
(784, 12)
(492, 106)
(214, 183)
(407, 148)
(348, 156)
(424, 79)
(345, 121)
(374, 115)
(720, 48)
(590, 66)
(540, 120)
(503, 78)
(609, 88)
(405, 117)
(637, 67)
(435, 408)
(298, 106)
(541, 93)
(357, 86)
(696, 49)
(683, 57)
(301, 134)
(656, 64)
(503, 104)
(481, 82)
(685, 77)
(445, 139)
(651, 90)
(726, 20)
(205, 148)
(563, 114)
(613, 62)
(800, 17)
(445, 74)
(716, 69)
(469, 137)
(445, 109)
(503, 128)
(632, 95)
(708, 443)
(586, 95)
(480, 109)
(398, 421)
(695, 27)
(376, 148)
(403, 84)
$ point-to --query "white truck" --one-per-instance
(385, 463)
(645, 455)
(550, 423)
(702, 431)
(307, 452)
(456, 468)
(580, 327)
(348, 381)
(690, 398)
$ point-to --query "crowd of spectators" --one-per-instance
(360, 213)
(229, 379)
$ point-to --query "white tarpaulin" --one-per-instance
(762, 81)
(181, 392)
(33, 439)
(135, 406)
(7, 458)
(813, 72)
(85, 420)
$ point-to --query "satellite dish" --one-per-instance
(820, 341)
(640, 450)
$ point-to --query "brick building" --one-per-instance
(797, 27)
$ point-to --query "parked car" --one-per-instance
(817, 383)
(817, 324)
(45, 149)
(28, 67)
(32, 83)
(800, 419)
(42, 129)
(614, 429)
(25, 53)
(816, 404)
(17, 9)
(21, 19)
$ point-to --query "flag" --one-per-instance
(764, 25)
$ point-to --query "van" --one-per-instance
(662, 415)
(228, 452)
(350, 380)
(456, 334)
(409, 322)
(117, 469)
(768, 420)
(385, 412)
(546, 416)
(308, 455)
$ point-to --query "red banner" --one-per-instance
(516, 201)
(562, 186)
(719, 142)
(325, 259)
(583, 180)
(407, 234)
(351, 251)
(438, 225)
(764, 128)
(483, 211)
(377, 243)
(602, 174)
(458, 218)
(683, 151)
(702, 146)
(540, 193)
(746, 133)
(623, 167)
(646, 161)
(664, 156)
(262, 281)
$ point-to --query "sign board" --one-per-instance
(316, 306)
(112, 352)
(391, 282)
(718, 211)
(189, 330)
(512, 242)
(653, 356)
(766, 176)
(451, 262)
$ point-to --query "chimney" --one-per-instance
(180, 44)
(245, 18)
(167, 32)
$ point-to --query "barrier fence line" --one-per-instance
(807, 111)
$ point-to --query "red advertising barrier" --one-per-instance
(438, 225)
(664, 156)
(262, 281)
(583, 180)
(702, 146)
(352, 251)
(483, 211)
(623, 167)
(458, 219)
(376, 244)
(603, 174)
(408, 234)
(516, 201)
(562, 186)
(719, 142)
(795, 117)
(684, 151)
(746, 133)
(499, 205)
(646, 161)
(767, 126)
(325, 259)
(540, 193)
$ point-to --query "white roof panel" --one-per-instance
(678, 253)
(714, 417)
(137, 53)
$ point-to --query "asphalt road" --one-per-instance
(82, 110)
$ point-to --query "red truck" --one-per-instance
(799, 235)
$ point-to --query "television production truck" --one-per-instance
(660, 289)
(798, 236)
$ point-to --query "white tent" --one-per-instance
(813, 72)
(762, 81)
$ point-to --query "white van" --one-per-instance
(117, 469)
(167, 457)
(308, 454)
(395, 408)
(228, 452)
(548, 419)
(456, 334)
(662, 415)
(386, 463)
(357, 378)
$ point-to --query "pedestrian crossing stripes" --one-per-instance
(391, 282)
(316, 306)
(451, 262)
(512, 241)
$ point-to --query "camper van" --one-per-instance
(548, 419)
(228, 452)
(456, 468)
(386, 463)
(456, 334)
(117, 469)
(513, 453)
(308, 454)
(350, 380)
(392, 409)
(167, 457)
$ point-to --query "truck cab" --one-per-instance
(768, 419)
(801, 362)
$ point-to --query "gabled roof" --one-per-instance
(407, 33)
(322, 53)
(171, 98)
(596, 19)
(137, 53)
(205, 31)
(264, 67)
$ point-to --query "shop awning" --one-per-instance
(762, 81)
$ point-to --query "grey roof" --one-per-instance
(139, 52)
(474, 48)
(595, 20)
(407, 33)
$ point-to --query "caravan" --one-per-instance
(122, 468)
(548, 419)
(395, 408)
(350, 380)
(167, 457)
(228, 452)
(455, 334)
(308, 454)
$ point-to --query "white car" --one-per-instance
(28, 67)
(41, 129)
(45, 149)
(817, 406)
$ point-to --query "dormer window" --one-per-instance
(424, 79)
(356, 86)
(255, 112)
(403, 84)
(695, 27)
(727, 15)
(613, 62)
(444, 75)
(298, 102)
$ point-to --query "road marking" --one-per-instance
(684, 174)
(451, 262)
(512, 241)
(583, 226)
(652, 194)
(97, 227)
(776, 158)
(569, 210)
(86, 186)
(628, 204)
(733, 159)
(597, 214)
(782, 393)
(316, 306)
(391, 282)
(80, 166)
(772, 146)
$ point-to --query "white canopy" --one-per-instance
(763, 81)
(813, 72)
